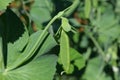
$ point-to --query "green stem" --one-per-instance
(72, 7)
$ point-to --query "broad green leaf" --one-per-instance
(65, 51)
(4, 4)
(17, 47)
(48, 44)
(34, 42)
(42, 68)
(78, 59)
(65, 24)
(94, 70)
(22, 41)
(41, 11)
(87, 9)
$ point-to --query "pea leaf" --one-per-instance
(78, 59)
(16, 48)
(42, 68)
(33, 45)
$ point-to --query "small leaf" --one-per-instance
(87, 8)
(4, 4)
(64, 51)
(78, 59)
(42, 68)
(65, 24)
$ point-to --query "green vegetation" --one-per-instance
(59, 40)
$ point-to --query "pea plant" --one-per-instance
(59, 40)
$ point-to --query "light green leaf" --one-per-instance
(71, 69)
(76, 37)
(17, 47)
(4, 4)
(42, 68)
(65, 51)
(65, 24)
(78, 59)
(87, 8)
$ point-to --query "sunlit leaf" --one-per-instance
(78, 59)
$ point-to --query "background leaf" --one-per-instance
(77, 58)
(41, 11)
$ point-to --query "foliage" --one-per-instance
(59, 40)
